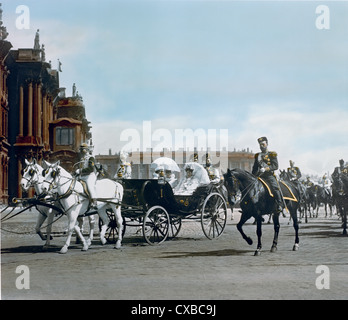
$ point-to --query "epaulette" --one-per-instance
(273, 153)
(256, 155)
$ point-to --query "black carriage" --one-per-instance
(150, 204)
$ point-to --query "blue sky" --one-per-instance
(254, 68)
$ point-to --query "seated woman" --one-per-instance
(195, 176)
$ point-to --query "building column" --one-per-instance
(39, 110)
(30, 109)
(44, 120)
(21, 102)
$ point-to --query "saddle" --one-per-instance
(285, 190)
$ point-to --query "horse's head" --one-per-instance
(232, 185)
(284, 175)
(51, 174)
(31, 175)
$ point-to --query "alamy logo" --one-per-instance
(23, 20)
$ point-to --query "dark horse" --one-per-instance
(302, 191)
(340, 196)
(256, 202)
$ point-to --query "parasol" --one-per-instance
(166, 163)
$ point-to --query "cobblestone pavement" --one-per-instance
(188, 267)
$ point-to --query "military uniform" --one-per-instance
(294, 172)
(87, 172)
(295, 175)
(265, 163)
(213, 173)
(342, 169)
(125, 169)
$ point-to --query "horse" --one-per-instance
(72, 196)
(312, 201)
(256, 202)
(340, 197)
(32, 177)
(303, 195)
(323, 197)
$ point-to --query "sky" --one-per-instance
(226, 72)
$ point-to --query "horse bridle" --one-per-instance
(31, 172)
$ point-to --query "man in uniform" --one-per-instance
(125, 169)
(87, 172)
(213, 173)
(265, 164)
(338, 170)
(294, 172)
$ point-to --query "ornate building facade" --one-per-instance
(5, 47)
(37, 120)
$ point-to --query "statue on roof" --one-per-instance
(37, 40)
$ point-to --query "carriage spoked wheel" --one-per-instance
(214, 215)
(175, 226)
(156, 225)
(111, 234)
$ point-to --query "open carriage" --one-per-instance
(152, 205)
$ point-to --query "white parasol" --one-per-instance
(166, 163)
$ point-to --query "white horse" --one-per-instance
(32, 177)
(72, 197)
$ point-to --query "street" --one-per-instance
(188, 267)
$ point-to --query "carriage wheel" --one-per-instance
(175, 226)
(156, 225)
(214, 215)
(111, 234)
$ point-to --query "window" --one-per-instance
(64, 136)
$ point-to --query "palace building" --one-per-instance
(141, 160)
(37, 119)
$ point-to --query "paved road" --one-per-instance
(189, 267)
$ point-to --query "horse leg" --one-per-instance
(72, 218)
(295, 224)
(104, 218)
(119, 222)
(91, 220)
(344, 218)
(240, 224)
(259, 235)
(50, 215)
(276, 231)
(40, 220)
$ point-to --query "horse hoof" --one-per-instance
(103, 241)
(64, 250)
(257, 253)
(85, 247)
(274, 249)
(249, 241)
(89, 242)
(118, 245)
(296, 247)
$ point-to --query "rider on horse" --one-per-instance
(342, 169)
(294, 172)
(265, 164)
(88, 173)
(295, 175)
(326, 184)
